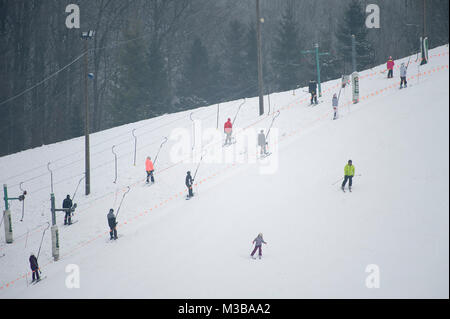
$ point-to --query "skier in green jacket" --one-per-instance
(349, 172)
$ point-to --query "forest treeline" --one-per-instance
(151, 57)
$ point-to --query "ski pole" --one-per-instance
(120, 205)
(42, 240)
(195, 174)
(135, 145)
(193, 128)
(160, 147)
(408, 62)
(26, 238)
(340, 179)
(234, 119)
(76, 189)
(273, 120)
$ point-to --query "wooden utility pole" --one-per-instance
(86, 125)
(260, 74)
(86, 36)
(424, 19)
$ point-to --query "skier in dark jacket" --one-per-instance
(67, 204)
(34, 267)
(112, 224)
(189, 181)
(313, 91)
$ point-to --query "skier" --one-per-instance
(403, 70)
(112, 224)
(262, 142)
(189, 181)
(390, 67)
(335, 103)
(34, 267)
(258, 241)
(349, 172)
(149, 168)
(67, 204)
(228, 129)
(313, 91)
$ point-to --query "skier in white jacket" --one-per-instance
(335, 103)
(403, 70)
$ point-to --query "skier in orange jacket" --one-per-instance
(149, 169)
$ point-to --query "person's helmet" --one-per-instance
(260, 234)
(229, 120)
(334, 94)
(68, 196)
(349, 161)
(189, 172)
(111, 210)
(262, 131)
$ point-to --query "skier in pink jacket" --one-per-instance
(390, 67)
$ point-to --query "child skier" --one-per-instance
(258, 241)
(403, 70)
(228, 129)
(67, 204)
(112, 225)
(349, 172)
(149, 169)
(335, 103)
(390, 66)
(34, 267)
(189, 181)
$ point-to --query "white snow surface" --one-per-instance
(320, 240)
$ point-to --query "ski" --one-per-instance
(40, 279)
(109, 240)
(73, 222)
(265, 155)
(228, 144)
(188, 198)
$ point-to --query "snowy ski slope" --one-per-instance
(320, 240)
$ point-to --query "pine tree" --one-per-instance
(354, 24)
(234, 54)
(132, 88)
(195, 86)
(287, 56)
(251, 62)
(159, 86)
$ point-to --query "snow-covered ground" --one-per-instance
(320, 240)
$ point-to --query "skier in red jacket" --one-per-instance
(228, 129)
